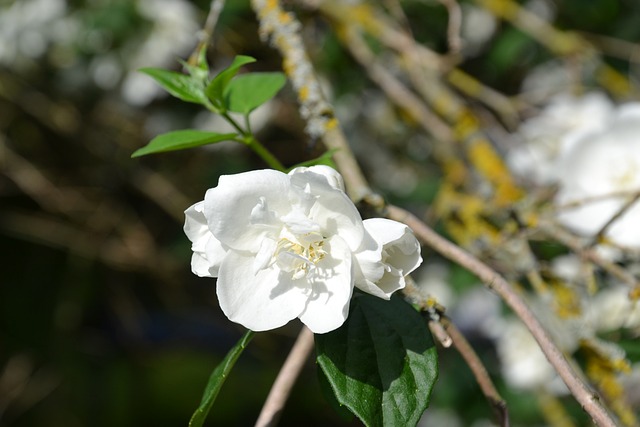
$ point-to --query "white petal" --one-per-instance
(195, 223)
(207, 250)
(400, 245)
(200, 266)
(368, 266)
(376, 289)
(264, 255)
(330, 289)
(265, 300)
(337, 215)
(400, 256)
(329, 174)
(298, 223)
(229, 207)
(392, 281)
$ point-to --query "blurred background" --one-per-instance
(101, 320)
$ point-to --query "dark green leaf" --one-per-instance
(215, 89)
(186, 88)
(217, 378)
(328, 394)
(382, 363)
(181, 139)
(247, 92)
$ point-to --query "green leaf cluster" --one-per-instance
(221, 94)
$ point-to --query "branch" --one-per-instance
(574, 243)
(461, 344)
(580, 390)
(453, 27)
(281, 388)
(206, 34)
(283, 30)
(447, 333)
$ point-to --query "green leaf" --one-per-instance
(217, 378)
(324, 159)
(247, 92)
(327, 392)
(382, 363)
(215, 89)
(182, 86)
(199, 71)
(181, 139)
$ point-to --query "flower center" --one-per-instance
(299, 254)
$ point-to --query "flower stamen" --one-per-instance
(300, 259)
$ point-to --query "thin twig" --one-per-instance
(453, 26)
(461, 344)
(206, 34)
(395, 90)
(584, 394)
(574, 243)
(623, 210)
(613, 46)
(287, 376)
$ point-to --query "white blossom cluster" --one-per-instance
(590, 149)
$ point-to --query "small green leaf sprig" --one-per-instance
(223, 94)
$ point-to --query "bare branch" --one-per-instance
(461, 344)
(453, 27)
(287, 376)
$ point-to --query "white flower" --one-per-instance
(545, 137)
(523, 364)
(293, 245)
(601, 175)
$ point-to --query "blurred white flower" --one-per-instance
(601, 174)
(567, 267)
(612, 309)
(543, 139)
(434, 282)
(478, 310)
(26, 28)
(478, 26)
(175, 26)
(523, 364)
(293, 245)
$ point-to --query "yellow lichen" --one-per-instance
(566, 302)
(303, 93)
(603, 371)
(332, 123)
(490, 165)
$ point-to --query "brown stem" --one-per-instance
(287, 376)
(461, 344)
(581, 391)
